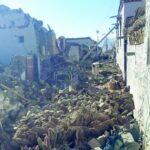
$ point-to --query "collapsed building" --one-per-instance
(34, 58)
(16, 31)
(97, 114)
(77, 48)
(133, 57)
(66, 64)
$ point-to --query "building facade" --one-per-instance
(76, 48)
(133, 57)
(21, 34)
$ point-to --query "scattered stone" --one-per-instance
(132, 146)
(127, 137)
(102, 139)
(118, 144)
(97, 148)
(94, 143)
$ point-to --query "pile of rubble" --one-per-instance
(17, 97)
(25, 91)
(98, 116)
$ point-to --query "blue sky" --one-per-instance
(70, 18)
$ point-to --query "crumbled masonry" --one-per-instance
(96, 115)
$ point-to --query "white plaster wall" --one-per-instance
(120, 48)
(131, 72)
(145, 83)
(74, 53)
(120, 56)
(135, 69)
(138, 77)
(9, 42)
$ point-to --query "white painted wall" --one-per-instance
(9, 42)
(120, 48)
(142, 76)
(135, 68)
(138, 78)
(128, 9)
(74, 53)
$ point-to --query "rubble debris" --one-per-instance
(18, 96)
(78, 109)
(94, 143)
(95, 116)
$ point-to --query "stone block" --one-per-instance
(93, 143)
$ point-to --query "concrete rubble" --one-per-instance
(96, 113)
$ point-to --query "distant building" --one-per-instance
(133, 57)
(76, 48)
(87, 41)
(21, 34)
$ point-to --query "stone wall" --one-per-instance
(138, 75)
(138, 78)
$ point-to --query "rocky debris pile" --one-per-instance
(27, 91)
(99, 116)
(17, 97)
(107, 72)
(58, 71)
